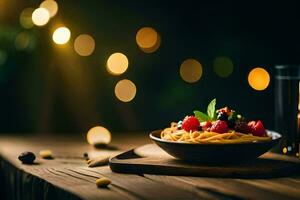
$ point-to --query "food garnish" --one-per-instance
(223, 125)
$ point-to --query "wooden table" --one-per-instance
(68, 176)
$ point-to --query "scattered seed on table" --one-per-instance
(99, 161)
(46, 154)
(102, 182)
(27, 157)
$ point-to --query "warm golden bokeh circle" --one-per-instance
(259, 78)
(40, 16)
(125, 90)
(98, 135)
(25, 18)
(191, 70)
(148, 39)
(117, 64)
(61, 35)
(223, 66)
(51, 6)
(84, 45)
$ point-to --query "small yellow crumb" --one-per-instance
(46, 154)
(102, 182)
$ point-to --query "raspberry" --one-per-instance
(258, 128)
(190, 123)
(205, 125)
(219, 127)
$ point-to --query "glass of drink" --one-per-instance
(287, 116)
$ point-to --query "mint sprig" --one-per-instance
(211, 112)
(211, 109)
(202, 117)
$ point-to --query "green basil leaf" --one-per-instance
(211, 109)
(202, 117)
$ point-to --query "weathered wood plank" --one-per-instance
(220, 188)
(232, 187)
(67, 176)
(276, 186)
(142, 187)
(171, 180)
(55, 175)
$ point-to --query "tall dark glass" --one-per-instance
(287, 107)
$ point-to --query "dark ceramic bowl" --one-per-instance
(216, 153)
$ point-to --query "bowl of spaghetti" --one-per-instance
(220, 136)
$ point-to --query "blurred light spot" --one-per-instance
(3, 57)
(22, 41)
(154, 48)
(40, 16)
(25, 18)
(191, 70)
(284, 150)
(148, 39)
(51, 6)
(98, 135)
(223, 66)
(117, 63)
(125, 90)
(84, 45)
(61, 35)
(258, 78)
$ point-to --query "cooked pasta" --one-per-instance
(180, 135)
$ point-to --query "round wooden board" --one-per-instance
(150, 159)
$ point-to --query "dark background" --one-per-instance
(51, 89)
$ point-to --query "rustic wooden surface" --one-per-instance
(68, 177)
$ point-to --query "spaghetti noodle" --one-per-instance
(180, 135)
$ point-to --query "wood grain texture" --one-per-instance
(69, 177)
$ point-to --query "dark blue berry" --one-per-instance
(27, 157)
(222, 116)
(231, 123)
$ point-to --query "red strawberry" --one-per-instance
(190, 123)
(258, 128)
(205, 125)
(219, 127)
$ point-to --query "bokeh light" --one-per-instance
(40, 16)
(3, 57)
(125, 90)
(61, 35)
(117, 63)
(223, 66)
(25, 18)
(191, 70)
(148, 39)
(98, 135)
(22, 41)
(84, 45)
(51, 6)
(259, 78)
